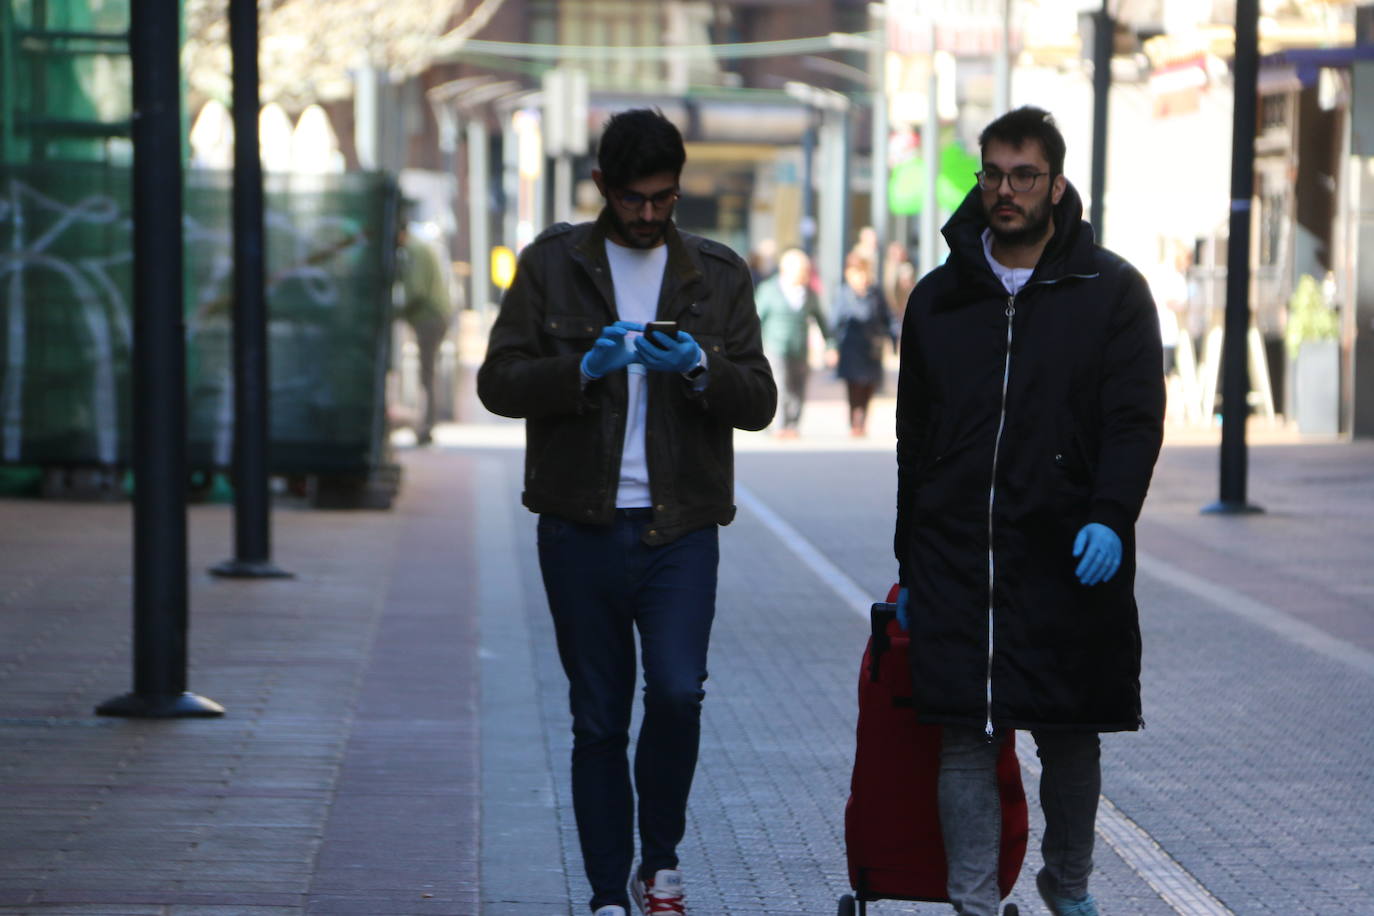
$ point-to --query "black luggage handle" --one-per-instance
(880, 615)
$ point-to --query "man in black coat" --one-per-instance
(1030, 410)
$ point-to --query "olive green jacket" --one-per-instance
(561, 298)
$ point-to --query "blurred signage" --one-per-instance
(909, 79)
(1177, 88)
(565, 112)
(529, 144)
(964, 28)
(502, 266)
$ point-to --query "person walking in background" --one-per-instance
(1030, 413)
(427, 308)
(862, 327)
(866, 244)
(1169, 286)
(788, 306)
(763, 260)
(899, 279)
(629, 451)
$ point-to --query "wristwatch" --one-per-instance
(698, 370)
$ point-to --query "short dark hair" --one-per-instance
(638, 143)
(1028, 123)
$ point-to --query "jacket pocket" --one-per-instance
(571, 332)
(1071, 455)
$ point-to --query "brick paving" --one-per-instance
(397, 736)
(342, 779)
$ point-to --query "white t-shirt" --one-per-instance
(637, 276)
(1013, 278)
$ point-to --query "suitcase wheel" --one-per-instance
(1011, 910)
(847, 907)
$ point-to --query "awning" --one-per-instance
(1307, 62)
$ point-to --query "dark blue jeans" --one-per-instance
(603, 582)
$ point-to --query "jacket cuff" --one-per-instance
(1113, 516)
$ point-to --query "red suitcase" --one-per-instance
(891, 822)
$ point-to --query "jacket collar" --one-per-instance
(683, 276)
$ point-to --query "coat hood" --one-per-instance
(1069, 250)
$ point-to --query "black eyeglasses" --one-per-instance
(1022, 180)
(633, 200)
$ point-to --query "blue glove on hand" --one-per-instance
(903, 608)
(610, 353)
(1100, 549)
(663, 354)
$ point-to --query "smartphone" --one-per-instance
(668, 328)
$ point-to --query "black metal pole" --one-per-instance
(159, 377)
(1235, 385)
(1103, 38)
(252, 499)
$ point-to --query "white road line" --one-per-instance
(851, 595)
(1175, 886)
(1285, 625)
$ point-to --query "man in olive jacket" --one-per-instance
(427, 309)
(1030, 410)
(629, 462)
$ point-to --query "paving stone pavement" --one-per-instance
(397, 737)
(342, 779)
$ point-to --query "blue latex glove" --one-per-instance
(1100, 549)
(664, 354)
(610, 353)
(903, 608)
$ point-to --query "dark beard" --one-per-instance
(632, 240)
(1037, 224)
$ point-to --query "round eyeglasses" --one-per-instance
(1021, 180)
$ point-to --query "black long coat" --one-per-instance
(1019, 420)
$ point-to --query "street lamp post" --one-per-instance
(252, 498)
(1235, 386)
(1104, 30)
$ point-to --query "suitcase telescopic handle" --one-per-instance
(880, 615)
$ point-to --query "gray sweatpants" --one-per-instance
(971, 815)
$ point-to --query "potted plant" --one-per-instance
(1312, 337)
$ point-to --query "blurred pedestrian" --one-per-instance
(866, 244)
(862, 328)
(628, 462)
(899, 279)
(1030, 412)
(1169, 287)
(763, 260)
(427, 308)
(788, 307)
